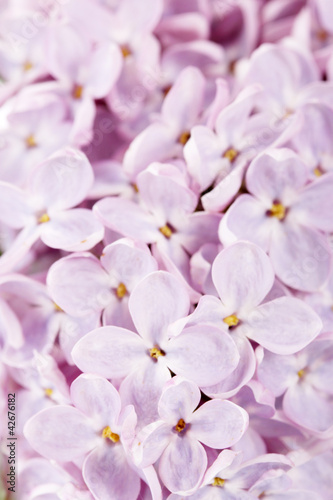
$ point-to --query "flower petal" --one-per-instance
(96, 398)
(284, 325)
(72, 230)
(62, 181)
(219, 424)
(178, 400)
(127, 262)
(156, 302)
(315, 205)
(204, 354)
(78, 284)
(155, 143)
(15, 211)
(127, 218)
(108, 475)
(109, 351)
(163, 195)
(151, 442)
(61, 433)
(241, 375)
(246, 219)
(225, 190)
(276, 175)
(277, 373)
(242, 275)
(305, 406)
(183, 465)
(183, 103)
(143, 388)
(301, 256)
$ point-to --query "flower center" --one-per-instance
(322, 35)
(155, 352)
(218, 482)
(301, 373)
(48, 392)
(107, 433)
(30, 142)
(231, 320)
(77, 91)
(184, 137)
(318, 171)
(180, 425)
(230, 154)
(126, 51)
(166, 231)
(277, 210)
(57, 308)
(43, 218)
(27, 66)
(121, 290)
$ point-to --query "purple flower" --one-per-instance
(175, 439)
(243, 276)
(287, 217)
(144, 361)
(305, 381)
(96, 430)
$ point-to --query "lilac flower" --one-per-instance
(243, 276)
(294, 70)
(166, 216)
(94, 429)
(287, 217)
(305, 381)
(143, 361)
(45, 211)
(29, 320)
(38, 124)
(220, 157)
(228, 478)
(176, 437)
(39, 478)
(82, 285)
(166, 229)
(165, 138)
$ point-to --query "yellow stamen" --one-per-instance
(121, 291)
(155, 352)
(57, 308)
(43, 218)
(126, 51)
(30, 142)
(231, 320)
(218, 481)
(180, 425)
(27, 66)
(277, 210)
(231, 154)
(48, 392)
(184, 137)
(135, 187)
(77, 91)
(107, 433)
(166, 231)
(301, 373)
(318, 172)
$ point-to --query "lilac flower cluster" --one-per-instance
(166, 224)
